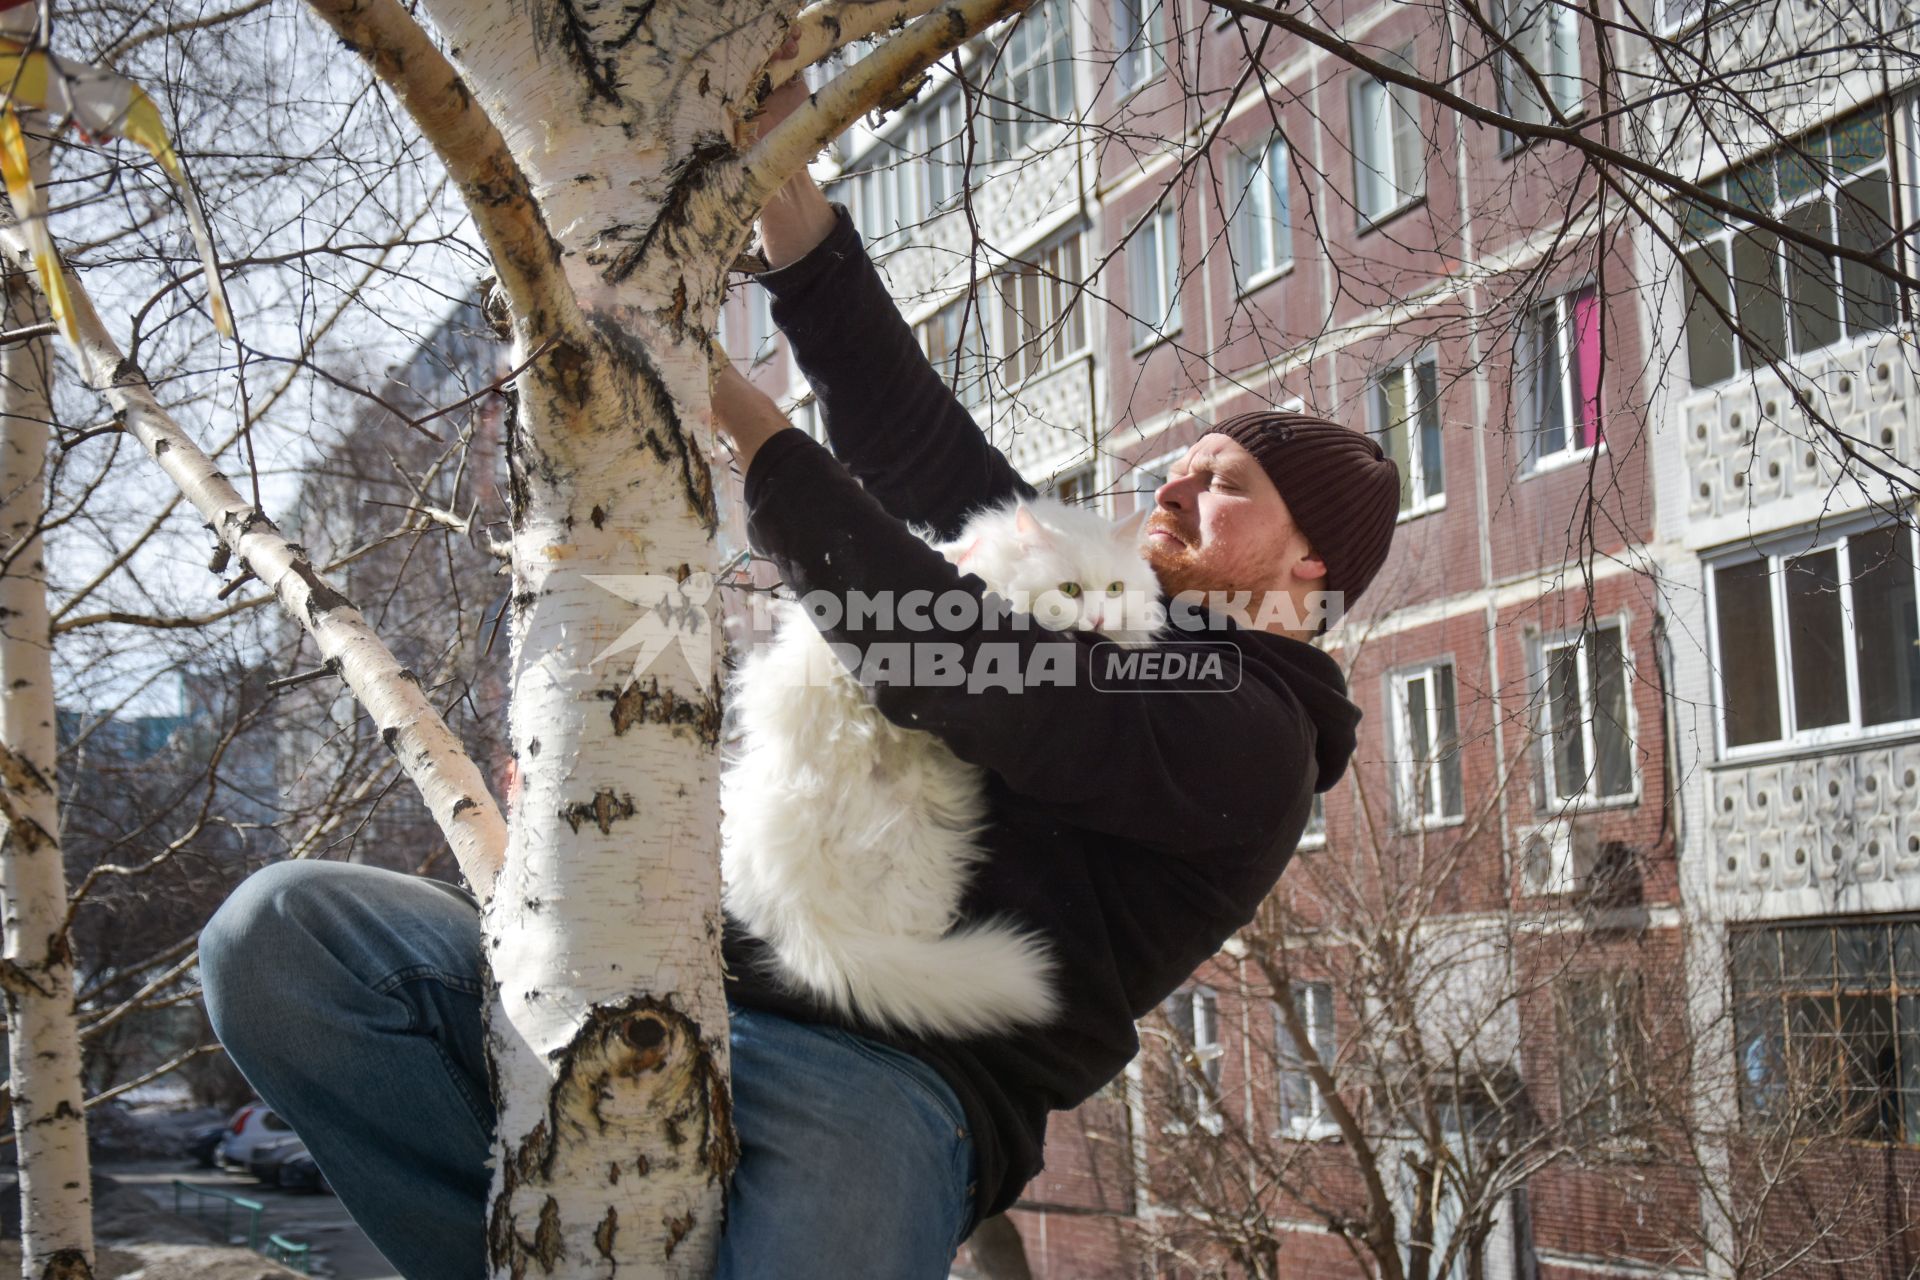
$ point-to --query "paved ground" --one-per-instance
(341, 1250)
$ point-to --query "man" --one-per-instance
(1133, 831)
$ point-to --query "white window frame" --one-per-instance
(1422, 471)
(940, 136)
(1709, 233)
(1569, 453)
(1315, 834)
(1059, 336)
(1791, 736)
(1547, 798)
(1074, 484)
(1388, 149)
(966, 371)
(1158, 465)
(1407, 787)
(1314, 1125)
(1208, 1050)
(1547, 34)
(1139, 41)
(1262, 214)
(1009, 132)
(1153, 262)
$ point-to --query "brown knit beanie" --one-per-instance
(1344, 492)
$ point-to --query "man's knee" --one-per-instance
(263, 930)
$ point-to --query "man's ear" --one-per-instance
(1310, 567)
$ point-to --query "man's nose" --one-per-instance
(1172, 495)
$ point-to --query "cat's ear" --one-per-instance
(1127, 527)
(1027, 526)
(957, 554)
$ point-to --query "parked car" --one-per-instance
(202, 1144)
(298, 1172)
(265, 1160)
(251, 1125)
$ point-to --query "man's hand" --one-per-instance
(798, 217)
(744, 414)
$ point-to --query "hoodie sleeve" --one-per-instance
(1209, 768)
(892, 420)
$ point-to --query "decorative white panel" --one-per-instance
(1752, 443)
(1823, 824)
(1048, 423)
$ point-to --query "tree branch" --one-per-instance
(790, 145)
(825, 28)
(476, 156)
(450, 783)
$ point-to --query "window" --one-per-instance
(1262, 226)
(887, 188)
(956, 347)
(1138, 34)
(1315, 834)
(1032, 85)
(1041, 313)
(1584, 744)
(1819, 643)
(1147, 477)
(1827, 1027)
(1560, 363)
(1603, 1059)
(1426, 746)
(1406, 418)
(752, 341)
(1388, 167)
(1194, 1016)
(1153, 259)
(1303, 1108)
(1073, 485)
(1546, 35)
(1831, 184)
(941, 138)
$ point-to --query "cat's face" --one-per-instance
(1068, 567)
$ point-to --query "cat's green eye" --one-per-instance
(1071, 590)
(1115, 588)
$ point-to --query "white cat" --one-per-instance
(847, 840)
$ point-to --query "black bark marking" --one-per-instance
(533, 748)
(695, 169)
(609, 1227)
(603, 809)
(66, 1264)
(677, 1229)
(598, 515)
(648, 704)
(639, 1065)
(463, 804)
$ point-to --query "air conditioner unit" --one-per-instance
(1557, 856)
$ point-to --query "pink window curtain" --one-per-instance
(1586, 367)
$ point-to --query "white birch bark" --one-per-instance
(56, 1195)
(594, 146)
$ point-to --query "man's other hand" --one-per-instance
(745, 415)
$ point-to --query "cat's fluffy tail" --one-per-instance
(982, 979)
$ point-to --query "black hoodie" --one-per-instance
(1134, 831)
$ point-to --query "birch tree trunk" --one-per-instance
(594, 146)
(56, 1198)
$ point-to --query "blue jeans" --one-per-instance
(351, 999)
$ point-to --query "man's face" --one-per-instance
(1219, 525)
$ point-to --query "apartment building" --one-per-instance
(1641, 681)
